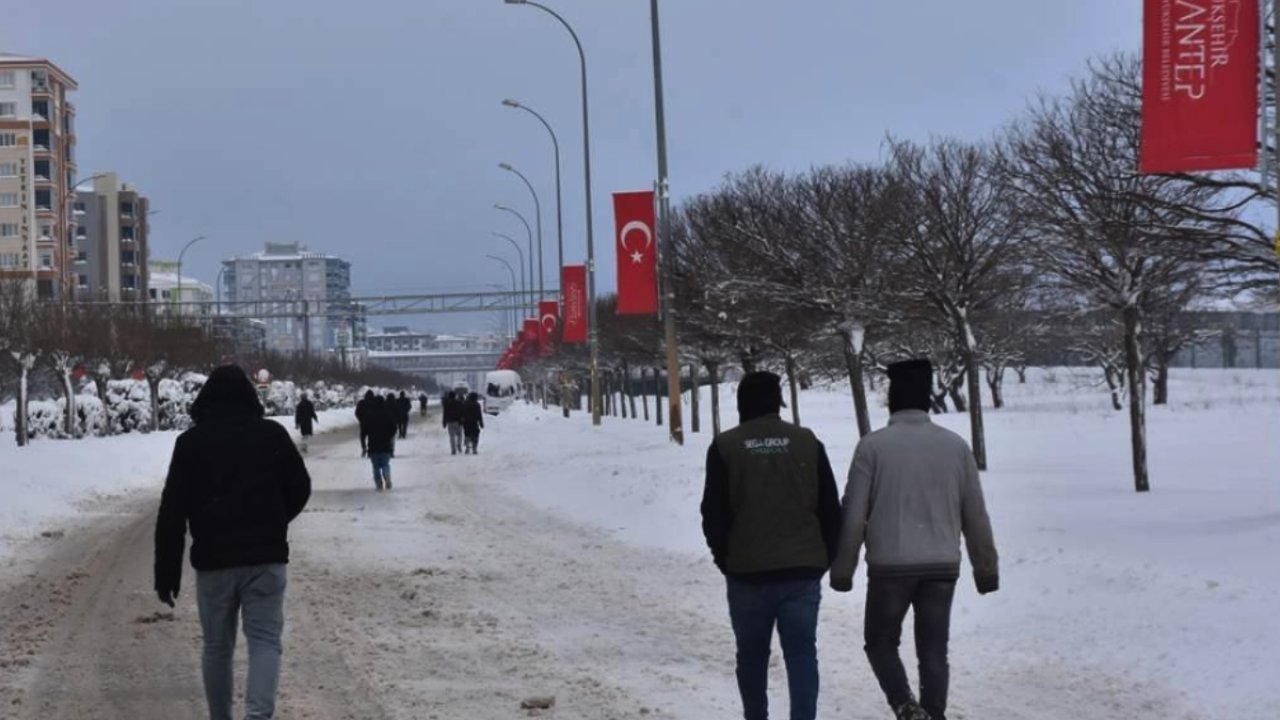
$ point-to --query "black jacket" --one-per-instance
(380, 424)
(237, 482)
(472, 417)
(404, 407)
(362, 411)
(451, 412)
(719, 516)
(304, 415)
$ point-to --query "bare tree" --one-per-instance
(19, 341)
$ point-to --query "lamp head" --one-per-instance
(506, 166)
(511, 103)
(516, 2)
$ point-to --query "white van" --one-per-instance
(501, 388)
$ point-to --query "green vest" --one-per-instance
(773, 496)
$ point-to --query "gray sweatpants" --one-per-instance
(255, 592)
(455, 437)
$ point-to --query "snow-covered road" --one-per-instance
(452, 596)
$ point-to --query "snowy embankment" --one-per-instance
(1169, 593)
(50, 480)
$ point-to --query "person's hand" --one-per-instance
(167, 595)
(842, 584)
(988, 584)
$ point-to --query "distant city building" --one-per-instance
(190, 297)
(37, 170)
(448, 359)
(312, 290)
(111, 241)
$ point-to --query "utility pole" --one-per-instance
(667, 287)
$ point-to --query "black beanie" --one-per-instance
(910, 385)
(759, 394)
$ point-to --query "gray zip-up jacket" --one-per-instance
(913, 491)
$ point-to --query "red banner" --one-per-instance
(637, 251)
(533, 331)
(548, 323)
(573, 282)
(1199, 85)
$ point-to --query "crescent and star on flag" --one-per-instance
(637, 256)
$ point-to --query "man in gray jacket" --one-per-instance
(913, 491)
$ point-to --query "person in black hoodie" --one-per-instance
(451, 418)
(472, 422)
(404, 407)
(363, 409)
(236, 481)
(771, 516)
(303, 417)
(382, 440)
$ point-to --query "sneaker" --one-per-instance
(911, 710)
(388, 483)
(379, 488)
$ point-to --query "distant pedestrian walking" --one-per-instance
(771, 516)
(913, 491)
(451, 418)
(382, 441)
(363, 410)
(472, 423)
(422, 405)
(303, 417)
(236, 481)
(404, 408)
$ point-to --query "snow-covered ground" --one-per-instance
(49, 480)
(568, 560)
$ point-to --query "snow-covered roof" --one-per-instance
(170, 280)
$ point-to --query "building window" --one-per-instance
(43, 169)
(40, 80)
(46, 260)
(8, 230)
(40, 138)
(126, 232)
(8, 109)
(129, 282)
(46, 231)
(127, 257)
(83, 281)
(40, 108)
(126, 208)
(44, 199)
(77, 208)
(8, 200)
(8, 260)
(8, 139)
(82, 257)
(8, 79)
(82, 232)
(8, 169)
(152, 293)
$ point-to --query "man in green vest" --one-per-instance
(771, 516)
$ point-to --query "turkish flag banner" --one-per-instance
(1199, 85)
(533, 332)
(548, 323)
(637, 252)
(573, 283)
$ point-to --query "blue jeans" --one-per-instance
(255, 592)
(754, 609)
(381, 468)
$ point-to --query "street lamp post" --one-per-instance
(524, 288)
(555, 142)
(537, 208)
(191, 242)
(511, 315)
(528, 230)
(593, 331)
(675, 416)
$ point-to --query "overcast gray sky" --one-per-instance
(373, 129)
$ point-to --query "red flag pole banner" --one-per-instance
(533, 331)
(1199, 85)
(637, 255)
(573, 282)
(548, 323)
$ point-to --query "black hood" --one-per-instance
(227, 393)
(911, 385)
(759, 394)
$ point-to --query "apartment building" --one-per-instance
(111, 241)
(303, 297)
(37, 167)
(176, 295)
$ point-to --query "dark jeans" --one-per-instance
(381, 468)
(887, 602)
(754, 610)
(402, 425)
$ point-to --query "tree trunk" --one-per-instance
(69, 424)
(153, 384)
(622, 394)
(100, 382)
(631, 390)
(644, 392)
(978, 431)
(1114, 385)
(853, 364)
(956, 398)
(1137, 397)
(995, 380)
(21, 424)
(695, 421)
(748, 361)
(657, 395)
(1160, 394)
(795, 391)
(713, 375)
(1022, 374)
